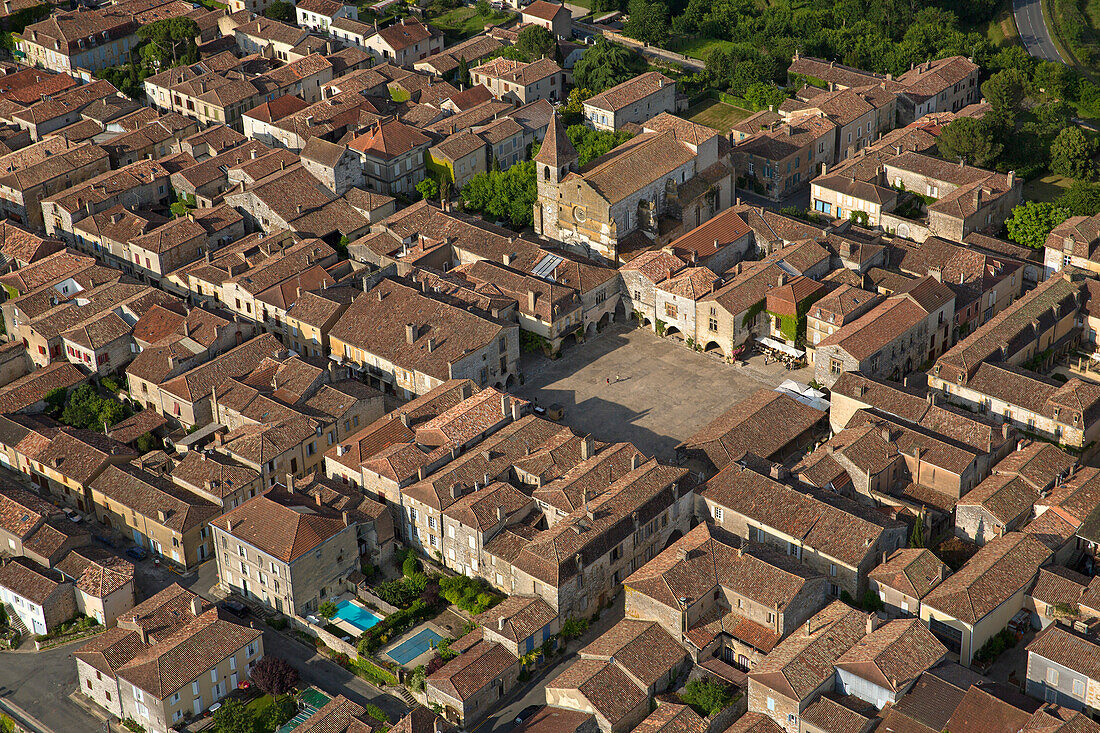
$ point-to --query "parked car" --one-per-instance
(236, 608)
(73, 516)
(137, 553)
(527, 713)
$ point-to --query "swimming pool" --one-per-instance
(356, 615)
(410, 649)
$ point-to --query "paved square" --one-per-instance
(663, 393)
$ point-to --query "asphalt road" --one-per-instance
(1033, 30)
(38, 684)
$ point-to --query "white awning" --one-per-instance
(780, 346)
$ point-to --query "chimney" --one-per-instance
(162, 516)
(531, 297)
(682, 554)
(343, 515)
(290, 483)
(1011, 179)
(500, 624)
(501, 514)
(505, 404)
(196, 605)
(635, 461)
(588, 447)
(873, 622)
(410, 332)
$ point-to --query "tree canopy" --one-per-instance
(970, 139)
(1071, 153)
(535, 42)
(605, 64)
(1032, 221)
(274, 675)
(280, 10)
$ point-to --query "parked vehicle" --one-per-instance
(527, 713)
(236, 608)
(137, 553)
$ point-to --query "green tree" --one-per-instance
(234, 717)
(605, 64)
(484, 9)
(462, 76)
(573, 109)
(169, 42)
(971, 140)
(648, 21)
(535, 42)
(1032, 221)
(1081, 199)
(1071, 154)
(707, 697)
(1005, 91)
(764, 96)
(281, 11)
(428, 188)
(1053, 79)
(327, 609)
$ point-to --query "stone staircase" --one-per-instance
(405, 696)
(17, 623)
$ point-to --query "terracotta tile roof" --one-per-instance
(672, 718)
(762, 424)
(628, 92)
(421, 720)
(33, 388)
(893, 655)
(443, 333)
(709, 237)
(831, 525)
(829, 714)
(830, 71)
(642, 649)
(21, 511)
(609, 690)
(754, 723)
(544, 10)
(96, 571)
(990, 577)
(634, 164)
(339, 715)
(281, 524)
(699, 563)
(155, 498)
(655, 264)
(405, 33)
(980, 711)
(212, 472)
(804, 660)
(197, 383)
(912, 571)
(29, 580)
(472, 670)
(517, 617)
(1059, 585)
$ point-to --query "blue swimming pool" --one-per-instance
(410, 649)
(356, 615)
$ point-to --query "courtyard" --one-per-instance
(660, 391)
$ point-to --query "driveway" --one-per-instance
(1033, 30)
(660, 394)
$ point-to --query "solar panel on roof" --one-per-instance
(546, 266)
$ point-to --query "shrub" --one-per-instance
(707, 697)
(574, 627)
(327, 609)
(417, 678)
(996, 646)
(371, 671)
(411, 564)
(277, 622)
(376, 712)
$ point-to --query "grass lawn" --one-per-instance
(462, 23)
(719, 115)
(1047, 188)
(1001, 30)
(697, 47)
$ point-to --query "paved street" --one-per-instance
(39, 683)
(1033, 30)
(641, 406)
